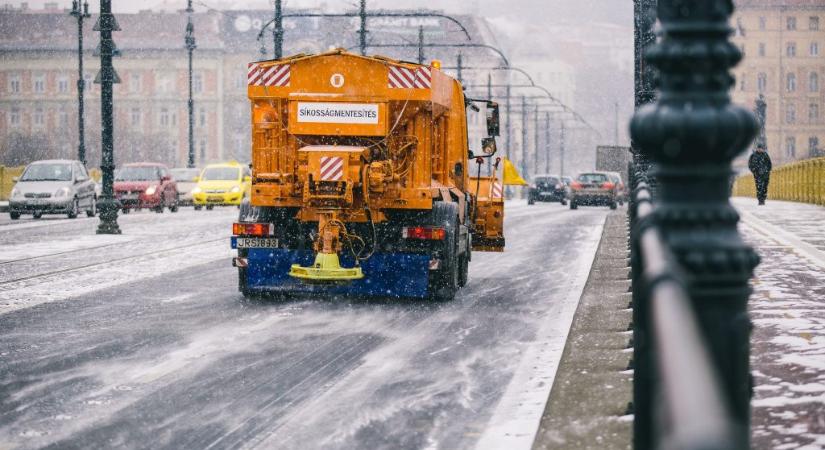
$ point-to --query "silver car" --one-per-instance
(186, 179)
(57, 186)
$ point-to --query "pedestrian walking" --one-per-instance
(760, 166)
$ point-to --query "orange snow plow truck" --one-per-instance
(361, 180)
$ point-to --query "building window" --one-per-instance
(741, 83)
(135, 83)
(790, 23)
(790, 146)
(202, 149)
(791, 49)
(202, 117)
(813, 145)
(813, 82)
(14, 83)
(813, 112)
(14, 118)
(164, 117)
(763, 23)
(791, 83)
(761, 81)
(240, 80)
(790, 113)
(39, 83)
(88, 81)
(813, 23)
(135, 117)
(164, 82)
(814, 50)
(38, 118)
(197, 83)
(63, 117)
(62, 84)
(173, 116)
(761, 49)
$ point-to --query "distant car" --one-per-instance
(221, 185)
(592, 188)
(621, 189)
(186, 180)
(547, 188)
(53, 187)
(145, 185)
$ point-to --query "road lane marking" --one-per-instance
(517, 417)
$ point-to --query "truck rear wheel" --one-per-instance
(444, 283)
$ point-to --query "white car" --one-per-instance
(57, 186)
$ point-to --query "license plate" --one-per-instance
(256, 242)
(214, 198)
(130, 196)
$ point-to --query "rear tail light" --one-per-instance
(425, 233)
(253, 229)
(607, 185)
(575, 185)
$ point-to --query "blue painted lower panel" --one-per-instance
(385, 274)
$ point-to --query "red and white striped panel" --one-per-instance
(404, 78)
(496, 190)
(273, 76)
(332, 168)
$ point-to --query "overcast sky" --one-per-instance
(531, 10)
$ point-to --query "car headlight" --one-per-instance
(196, 190)
(236, 189)
(151, 190)
(16, 193)
(62, 192)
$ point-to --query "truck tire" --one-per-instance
(444, 283)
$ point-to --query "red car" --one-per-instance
(146, 185)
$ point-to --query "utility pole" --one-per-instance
(536, 140)
(362, 32)
(278, 32)
(458, 68)
(561, 150)
(107, 76)
(420, 45)
(189, 41)
(523, 136)
(616, 124)
(547, 142)
(81, 84)
(507, 140)
(490, 98)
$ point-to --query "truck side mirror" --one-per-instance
(492, 119)
(488, 146)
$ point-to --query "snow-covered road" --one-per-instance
(142, 341)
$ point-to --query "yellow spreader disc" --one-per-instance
(327, 268)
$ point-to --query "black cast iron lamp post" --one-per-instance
(80, 14)
(107, 76)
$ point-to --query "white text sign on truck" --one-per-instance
(354, 113)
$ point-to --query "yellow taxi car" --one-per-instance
(222, 184)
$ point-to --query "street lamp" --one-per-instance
(189, 41)
(79, 14)
(107, 76)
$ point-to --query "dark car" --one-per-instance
(146, 185)
(593, 188)
(547, 188)
(621, 189)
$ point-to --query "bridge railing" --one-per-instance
(801, 181)
(679, 402)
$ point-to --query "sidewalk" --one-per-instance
(788, 312)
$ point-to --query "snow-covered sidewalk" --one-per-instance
(788, 312)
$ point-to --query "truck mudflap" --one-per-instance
(394, 275)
